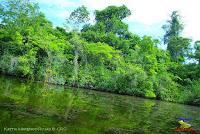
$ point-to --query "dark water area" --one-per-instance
(28, 107)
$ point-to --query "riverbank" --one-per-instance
(90, 88)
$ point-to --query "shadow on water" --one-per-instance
(55, 109)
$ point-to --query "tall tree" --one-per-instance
(111, 17)
(78, 18)
(176, 45)
(110, 28)
(174, 27)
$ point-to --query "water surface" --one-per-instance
(42, 108)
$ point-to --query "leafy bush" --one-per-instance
(191, 94)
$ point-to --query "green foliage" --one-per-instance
(109, 27)
(191, 93)
(174, 27)
(178, 48)
(78, 17)
(166, 88)
(132, 80)
(104, 56)
(102, 53)
(112, 12)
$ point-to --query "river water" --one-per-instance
(28, 107)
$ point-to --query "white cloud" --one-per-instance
(146, 12)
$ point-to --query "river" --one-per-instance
(30, 107)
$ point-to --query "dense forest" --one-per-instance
(103, 55)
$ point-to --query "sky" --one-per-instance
(147, 16)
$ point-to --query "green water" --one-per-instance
(51, 109)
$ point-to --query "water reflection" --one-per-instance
(27, 104)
